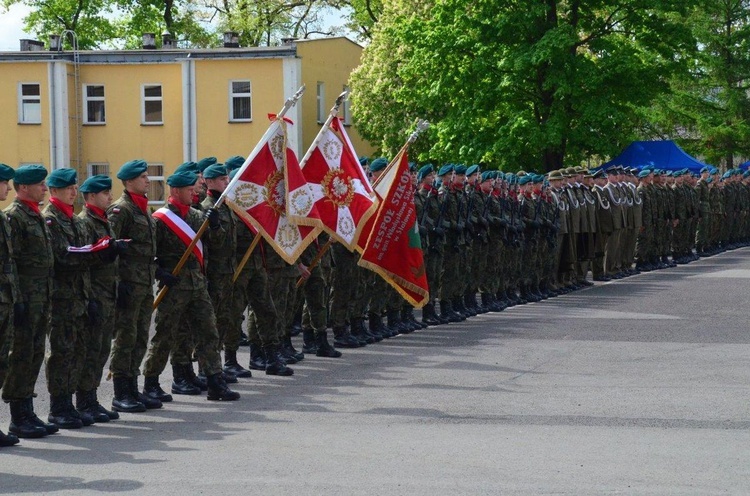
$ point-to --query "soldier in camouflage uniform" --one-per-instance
(451, 196)
(130, 219)
(187, 293)
(97, 194)
(477, 226)
(32, 253)
(8, 290)
(433, 238)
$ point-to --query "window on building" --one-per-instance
(98, 169)
(151, 108)
(321, 103)
(240, 101)
(29, 103)
(93, 104)
(346, 113)
(156, 186)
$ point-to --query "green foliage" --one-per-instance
(522, 84)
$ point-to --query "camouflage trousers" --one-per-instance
(252, 289)
(69, 336)
(6, 336)
(282, 291)
(132, 323)
(361, 297)
(177, 307)
(344, 282)
(220, 290)
(27, 349)
(433, 264)
(100, 341)
(450, 284)
(313, 291)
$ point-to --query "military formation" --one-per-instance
(85, 282)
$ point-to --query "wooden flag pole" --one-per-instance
(316, 260)
(246, 257)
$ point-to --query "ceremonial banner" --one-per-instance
(181, 229)
(342, 194)
(98, 246)
(270, 192)
(393, 248)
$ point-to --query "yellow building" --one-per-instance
(95, 110)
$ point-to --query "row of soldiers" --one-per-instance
(86, 281)
(522, 237)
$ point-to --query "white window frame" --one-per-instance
(23, 99)
(321, 101)
(233, 95)
(92, 165)
(161, 179)
(87, 99)
(346, 111)
(145, 99)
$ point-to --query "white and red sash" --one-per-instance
(181, 229)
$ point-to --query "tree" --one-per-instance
(708, 108)
(526, 83)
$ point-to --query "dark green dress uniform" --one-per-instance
(32, 253)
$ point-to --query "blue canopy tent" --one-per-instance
(665, 155)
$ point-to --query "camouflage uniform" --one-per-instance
(135, 298)
(32, 252)
(8, 294)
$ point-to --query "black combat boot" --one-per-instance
(21, 425)
(218, 389)
(274, 364)
(358, 324)
(244, 341)
(231, 366)
(85, 405)
(288, 353)
(324, 347)
(125, 400)
(100, 408)
(429, 316)
(28, 405)
(181, 384)
(149, 402)
(8, 439)
(85, 418)
(199, 382)
(376, 327)
(257, 357)
(308, 341)
(152, 389)
(296, 327)
(445, 313)
(342, 338)
(60, 413)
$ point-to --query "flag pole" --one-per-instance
(290, 102)
(422, 125)
(334, 112)
(316, 260)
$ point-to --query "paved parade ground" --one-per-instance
(638, 386)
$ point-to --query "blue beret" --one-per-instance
(364, 160)
(714, 170)
(726, 175)
(487, 176)
(709, 179)
(537, 178)
(6, 172)
(30, 174)
(378, 164)
(460, 169)
(62, 178)
(96, 184)
(446, 169)
(132, 169)
(189, 167)
(205, 162)
(214, 171)
(704, 169)
(524, 179)
(182, 179)
(425, 171)
(471, 170)
(234, 162)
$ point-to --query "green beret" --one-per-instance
(30, 174)
(214, 171)
(205, 162)
(446, 169)
(471, 170)
(132, 169)
(425, 171)
(6, 172)
(234, 162)
(412, 166)
(378, 164)
(232, 173)
(189, 167)
(182, 179)
(62, 178)
(364, 160)
(96, 184)
(524, 180)
(537, 178)
(460, 169)
(644, 173)
(709, 179)
(487, 176)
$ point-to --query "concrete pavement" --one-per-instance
(637, 386)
